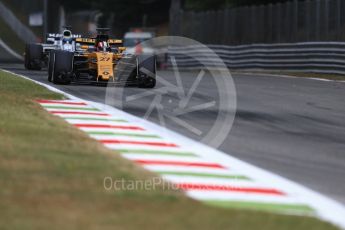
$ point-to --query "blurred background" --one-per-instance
(208, 21)
(212, 22)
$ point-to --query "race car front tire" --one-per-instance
(146, 71)
(33, 56)
(62, 67)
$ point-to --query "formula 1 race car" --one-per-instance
(36, 55)
(101, 60)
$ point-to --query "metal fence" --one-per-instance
(319, 57)
(294, 21)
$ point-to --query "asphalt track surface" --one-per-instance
(294, 127)
(5, 56)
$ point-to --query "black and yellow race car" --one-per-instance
(101, 60)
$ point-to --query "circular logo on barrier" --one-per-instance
(194, 93)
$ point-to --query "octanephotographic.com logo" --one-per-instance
(155, 183)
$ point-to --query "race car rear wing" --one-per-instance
(52, 37)
(87, 43)
(116, 42)
(93, 41)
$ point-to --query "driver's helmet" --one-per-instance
(102, 46)
(67, 37)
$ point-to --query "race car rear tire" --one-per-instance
(33, 56)
(146, 71)
(62, 67)
(50, 65)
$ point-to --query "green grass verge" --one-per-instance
(51, 177)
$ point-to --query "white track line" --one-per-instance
(285, 76)
(216, 195)
(191, 169)
(215, 181)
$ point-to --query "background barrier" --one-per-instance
(288, 22)
(317, 57)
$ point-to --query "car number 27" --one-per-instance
(104, 59)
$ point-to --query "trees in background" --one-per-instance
(132, 13)
(219, 4)
(134, 7)
(126, 13)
